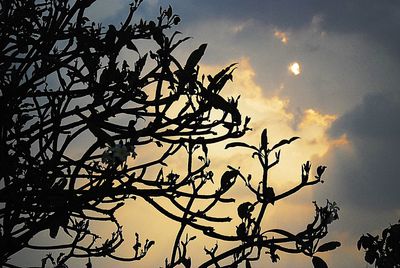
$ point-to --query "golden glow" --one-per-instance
(274, 113)
(282, 36)
(294, 68)
(341, 141)
(265, 111)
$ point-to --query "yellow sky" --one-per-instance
(265, 112)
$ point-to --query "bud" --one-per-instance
(176, 20)
(320, 171)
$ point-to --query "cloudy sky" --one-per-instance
(327, 71)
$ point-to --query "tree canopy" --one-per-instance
(80, 102)
(384, 252)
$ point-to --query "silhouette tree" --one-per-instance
(385, 251)
(75, 114)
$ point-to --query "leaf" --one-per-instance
(283, 142)
(222, 73)
(54, 230)
(159, 144)
(169, 12)
(318, 262)
(328, 246)
(130, 45)
(241, 231)
(140, 63)
(371, 256)
(195, 57)
(158, 36)
(178, 43)
(239, 144)
(359, 243)
(228, 179)
(59, 257)
(150, 244)
(283, 232)
(320, 171)
(219, 80)
(244, 210)
(264, 139)
(269, 195)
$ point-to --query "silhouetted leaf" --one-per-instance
(241, 231)
(244, 210)
(150, 244)
(318, 262)
(195, 57)
(159, 144)
(264, 139)
(178, 43)
(54, 230)
(284, 233)
(218, 102)
(110, 37)
(169, 12)
(228, 179)
(359, 243)
(158, 36)
(223, 72)
(187, 262)
(320, 171)
(283, 142)
(219, 80)
(371, 256)
(239, 144)
(328, 246)
(130, 45)
(140, 63)
(269, 195)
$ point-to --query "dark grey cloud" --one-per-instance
(368, 176)
(378, 21)
(285, 13)
(358, 55)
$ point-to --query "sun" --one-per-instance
(294, 68)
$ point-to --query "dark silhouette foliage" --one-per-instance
(383, 251)
(76, 114)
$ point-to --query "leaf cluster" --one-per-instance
(383, 251)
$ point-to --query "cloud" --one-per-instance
(293, 213)
(273, 113)
(367, 172)
(363, 174)
(377, 21)
(338, 68)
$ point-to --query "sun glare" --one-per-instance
(294, 68)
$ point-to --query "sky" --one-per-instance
(344, 103)
(327, 71)
(342, 99)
